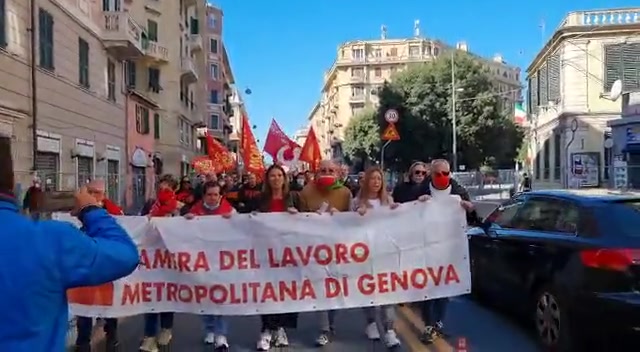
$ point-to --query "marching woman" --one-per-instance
(373, 194)
(277, 198)
(213, 203)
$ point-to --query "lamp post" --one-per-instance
(454, 120)
(574, 128)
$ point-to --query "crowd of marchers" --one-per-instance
(35, 280)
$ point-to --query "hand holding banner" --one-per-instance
(277, 263)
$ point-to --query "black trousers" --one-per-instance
(276, 321)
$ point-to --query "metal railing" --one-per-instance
(494, 184)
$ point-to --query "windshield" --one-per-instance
(624, 217)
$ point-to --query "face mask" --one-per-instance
(221, 183)
(440, 181)
(37, 185)
(300, 181)
(325, 181)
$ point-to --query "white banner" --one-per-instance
(274, 263)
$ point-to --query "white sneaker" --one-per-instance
(391, 339)
(210, 338)
(221, 341)
(164, 337)
(323, 339)
(372, 331)
(149, 344)
(281, 338)
(264, 343)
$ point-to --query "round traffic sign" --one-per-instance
(391, 116)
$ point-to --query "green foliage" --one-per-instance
(362, 136)
(422, 96)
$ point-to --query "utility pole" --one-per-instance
(34, 86)
(454, 123)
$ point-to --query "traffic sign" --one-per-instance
(390, 133)
(391, 116)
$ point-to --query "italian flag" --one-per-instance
(520, 115)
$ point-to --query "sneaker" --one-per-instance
(372, 331)
(221, 342)
(164, 337)
(323, 339)
(429, 335)
(391, 339)
(210, 338)
(149, 344)
(281, 338)
(264, 342)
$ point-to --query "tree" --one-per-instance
(362, 136)
(422, 94)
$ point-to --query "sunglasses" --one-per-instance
(441, 173)
(420, 173)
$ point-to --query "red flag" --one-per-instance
(221, 157)
(281, 148)
(311, 151)
(251, 155)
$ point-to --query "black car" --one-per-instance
(566, 260)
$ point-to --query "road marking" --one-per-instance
(441, 345)
(409, 337)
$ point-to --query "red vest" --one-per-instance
(224, 208)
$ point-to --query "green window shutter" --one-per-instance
(156, 126)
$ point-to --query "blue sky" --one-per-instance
(280, 48)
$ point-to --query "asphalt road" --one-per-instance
(477, 327)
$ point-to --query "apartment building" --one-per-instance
(362, 67)
(300, 136)
(569, 107)
(78, 104)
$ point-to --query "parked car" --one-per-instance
(566, 260)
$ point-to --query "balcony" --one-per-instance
(122, 35)
(156, 53)
(195, 42)
(189, 74)
(359, 98)
(358, 79)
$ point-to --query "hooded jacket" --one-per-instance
(41, 260)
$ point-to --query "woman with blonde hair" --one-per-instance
(373, 194)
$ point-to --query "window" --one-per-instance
(110, 5)
(213, 45)
(393, 52)
(504, 214)
(142, 119)
(186, 132)
(607, 156)
(357, 54)
(378, 72)
(414, 51)
(533, 89)
(543, 86)
(357, 72)
(45, 32)
(111, 80)
(213, 97)
(212, 21)
(3, 24)
(195, 26)
(557, 155)
(549, 215)
(356, 109)
(130, 74)
(553, 79)
(214, 121)
(214, 71)
(621, 62)
(83, 63)
(156, 126)
(152, 30)
(154, 80)
(377, 53)
(537, 166)
(357, 91)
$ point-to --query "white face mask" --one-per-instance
(300, 181)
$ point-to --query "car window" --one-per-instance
(547, 214)
(504, 214)
(622, 218)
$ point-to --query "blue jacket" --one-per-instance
(40, 260)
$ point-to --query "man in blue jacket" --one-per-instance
(41, 260)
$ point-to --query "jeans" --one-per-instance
(327, 319)
(387, 315)
(85, 329)
(272, 322)
(434, 311)
(151, 323)
(216, 324)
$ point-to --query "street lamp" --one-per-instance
(454, 122)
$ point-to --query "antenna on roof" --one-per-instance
(416, 28)
(383, 32)
(543, 28)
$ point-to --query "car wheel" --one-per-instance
(551, 321)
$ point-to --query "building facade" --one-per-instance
(569, 103)
(362, 67)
